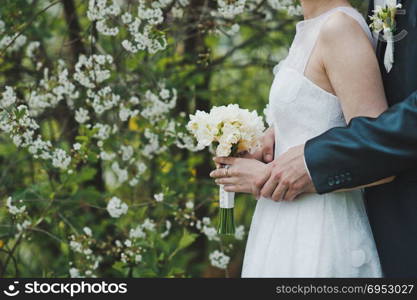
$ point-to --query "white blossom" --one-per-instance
(76, 146)
(60, 159)
(31, 48)
(74, 273)
(219, 259)
(168, 226)
(107, 156)
(230, 9)
(127, 152)
(137, 232)
(81, 115)
(116, 207)
(13, 42)
(76, 246)
(23, 226)
(88, 231)
(14, 210)
(138, 258)
(8, 97)
(90, 71)
(210, 233)
(159, 197)
(228, 126)
(103, 131)
(148, 224)
(122, 174)
(240, 232)
(99, 11)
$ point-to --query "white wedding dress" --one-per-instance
(315, 235)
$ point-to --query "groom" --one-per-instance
(369, 150)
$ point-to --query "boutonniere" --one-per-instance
(383, 21)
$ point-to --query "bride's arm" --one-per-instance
(350, 62)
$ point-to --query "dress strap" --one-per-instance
(310, 30)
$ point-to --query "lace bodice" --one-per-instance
(298, 108)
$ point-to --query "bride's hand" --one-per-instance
(244, 175)
(266, 152)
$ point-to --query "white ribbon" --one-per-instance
(227, 199)
(389, 51)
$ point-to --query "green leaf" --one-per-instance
(85, 174)
(186, 240)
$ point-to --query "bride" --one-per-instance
(330, 76)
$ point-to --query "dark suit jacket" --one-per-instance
(371, 149)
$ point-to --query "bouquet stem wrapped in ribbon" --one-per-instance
(226, 217)
(234, 131)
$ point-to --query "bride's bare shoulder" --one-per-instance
(343, 28)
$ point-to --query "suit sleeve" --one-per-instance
(367, 150)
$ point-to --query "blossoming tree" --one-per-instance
(96, 170)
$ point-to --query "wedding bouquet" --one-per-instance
(233, 130)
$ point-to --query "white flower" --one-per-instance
(31, 48)
(219, 259)
(8, 97)
(81, 115)
(138, 258)
(103, 132)
(141, 29)
(89, 71)
(13, 42)
(127, 18)
(137, 233)
(210, 233)
(148, 224)
(230, 9)
(122, 174)
(77, 146)
(100, 12)
(159, 197)
(116, 207)
(76, 246)
(157, 106)
(286, 5)
(87, 231)
(189, 204)
(134, 181)
(23, 226)
(60, 159)
(14, 210)
(240, 232)
(127, 152)
(107, 156)
(134, 100)
(74, 273)
(168, 226)
(228, 126)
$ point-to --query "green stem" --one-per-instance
(226, 221)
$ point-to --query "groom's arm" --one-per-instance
(366, 151)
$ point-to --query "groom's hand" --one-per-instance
(289, 177)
